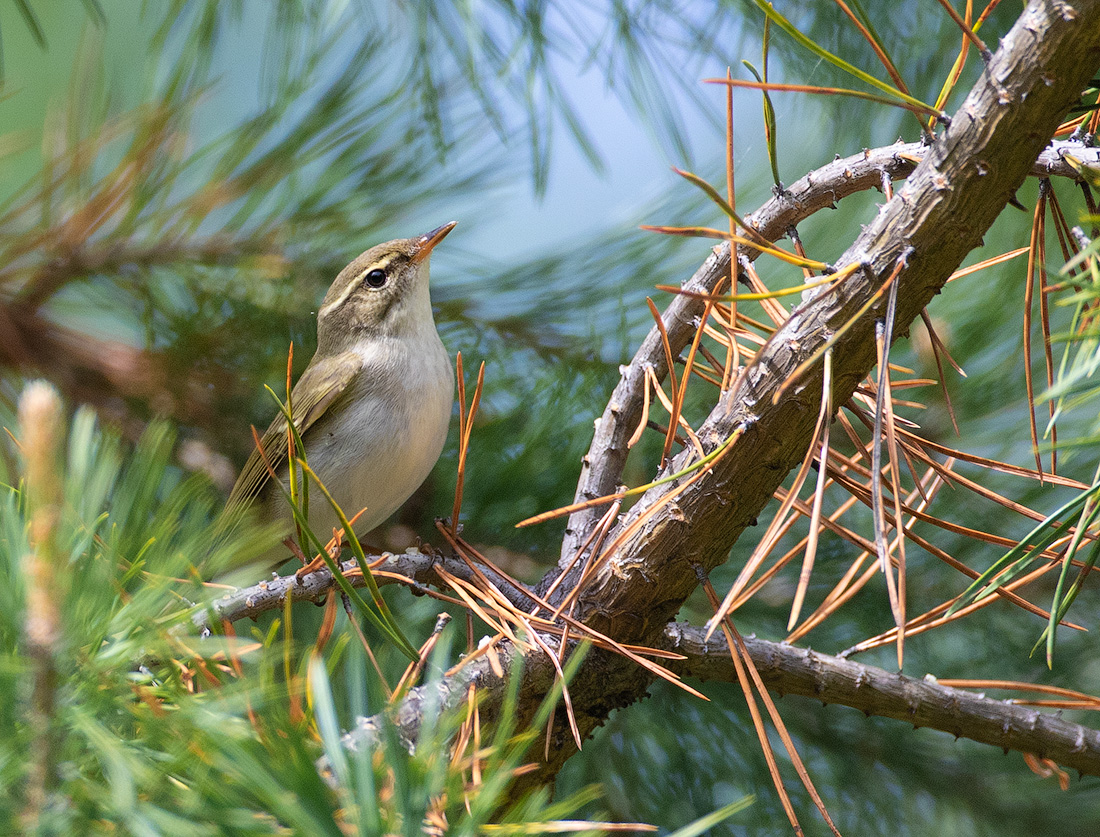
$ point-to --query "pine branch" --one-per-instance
(602, 467)
(787, 670)
(964, 182)
(923, 233)
(413, 568)
(874, 691)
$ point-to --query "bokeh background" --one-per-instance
(181, 180)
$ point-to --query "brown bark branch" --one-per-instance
(875, 691)
(941, 213)
(602, 466)
(785, 670)
(935, 219)
(922, 235)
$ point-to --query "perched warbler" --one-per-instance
(373, 406)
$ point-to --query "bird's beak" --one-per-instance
(426, 242)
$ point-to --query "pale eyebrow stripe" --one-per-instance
(351, 286)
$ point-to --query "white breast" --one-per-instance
(377, 450)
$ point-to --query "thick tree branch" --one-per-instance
(934, 219)
(786, 670)
(602, 466)
(924, 232)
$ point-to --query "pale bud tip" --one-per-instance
(38, 404)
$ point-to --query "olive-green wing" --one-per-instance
(317, 390)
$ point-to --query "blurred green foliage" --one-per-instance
(153, 730)
(265, 144)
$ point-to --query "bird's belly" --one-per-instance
(374, 454)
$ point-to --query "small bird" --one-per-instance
(374, 404)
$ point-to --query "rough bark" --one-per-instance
(602, 466)
(947, 203)
(784, 669)
(937, 216)
(921, 702)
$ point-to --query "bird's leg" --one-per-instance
(295, 550)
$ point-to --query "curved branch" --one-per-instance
(920, 237)
(602, 466)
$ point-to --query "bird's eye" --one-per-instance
(375, 278)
